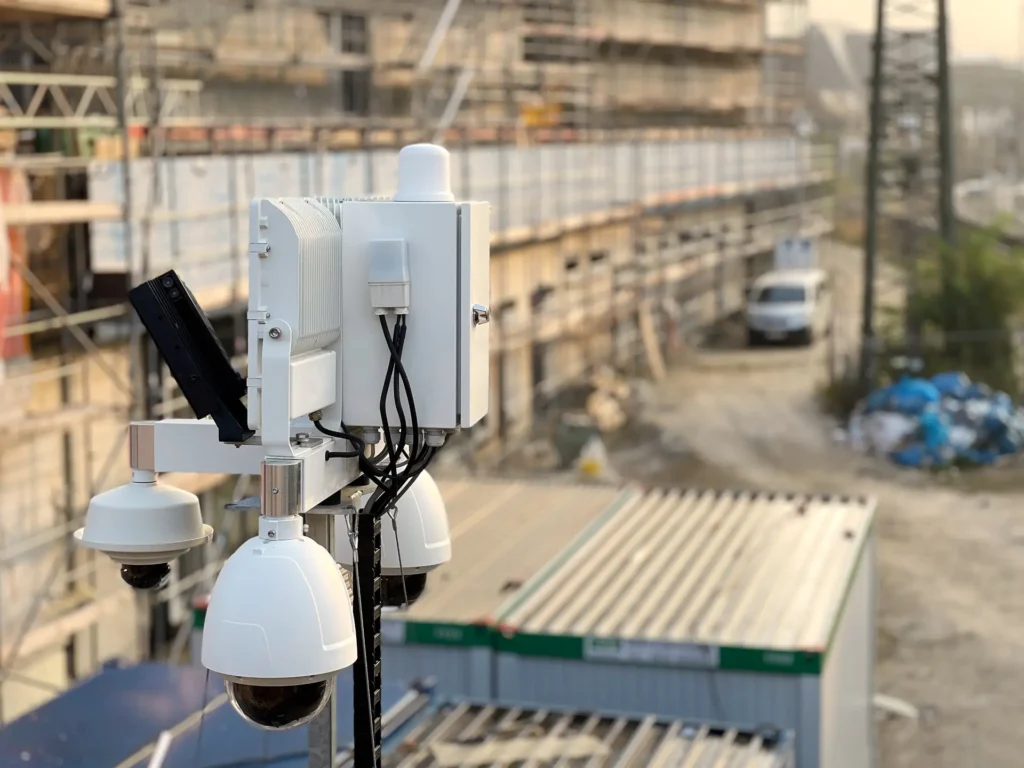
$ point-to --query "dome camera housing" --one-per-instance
(279, 626)
(143, 526)
(395, 594)
(422, 542)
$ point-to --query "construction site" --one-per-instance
(641, 159)
(660, 542)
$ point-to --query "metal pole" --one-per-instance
(280, 496)
(367, 672)
(871, 203)
(323, 730)
(947, 216)
(138, 384)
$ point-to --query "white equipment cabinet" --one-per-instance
(741, 608)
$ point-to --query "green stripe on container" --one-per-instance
(526, 591)
(548, 646)
(458, 635)
(760, 660)
(769, 661)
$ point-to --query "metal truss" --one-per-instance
(909, 190)
(90, 101)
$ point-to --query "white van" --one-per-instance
(793, 304)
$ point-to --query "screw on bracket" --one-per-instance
(275, 333)
(481, 314)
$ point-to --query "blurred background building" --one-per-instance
(640, 157)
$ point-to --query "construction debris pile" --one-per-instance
(943, 421)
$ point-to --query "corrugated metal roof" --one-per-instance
(502, 532)
(740, 569)
(477, 735)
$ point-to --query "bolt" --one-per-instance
(302, 437)
(271, 534)
(275, 333)
(274, 491)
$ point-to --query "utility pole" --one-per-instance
(871, 176)
(323, 730)
(367, 603)
(909, 176)
(367, 673)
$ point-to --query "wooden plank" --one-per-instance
(649, 336)
(82, 9)
(60, 212)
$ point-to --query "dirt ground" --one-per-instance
(951, 592)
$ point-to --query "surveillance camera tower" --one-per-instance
(367, 324)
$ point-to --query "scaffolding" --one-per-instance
(635, 171)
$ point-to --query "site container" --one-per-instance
(503, 533)
(743, 608)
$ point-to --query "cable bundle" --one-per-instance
(396, 469)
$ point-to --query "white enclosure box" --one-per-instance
(294, 311)
(325, 274)
(447, 342)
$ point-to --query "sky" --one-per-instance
(975, 34)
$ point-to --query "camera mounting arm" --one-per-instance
(192, 445)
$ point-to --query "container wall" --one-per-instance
(737, 698)
(847, 689)
(459, 672)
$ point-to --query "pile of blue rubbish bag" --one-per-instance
(945, 420)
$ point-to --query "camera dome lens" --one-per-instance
(393, 595)
(279, 706)
(149, 577)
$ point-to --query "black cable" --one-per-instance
(404, 462)
(407, 386)
(396, 358)
(399, 344)
(357, 442)
(367, 465)
(389, 444)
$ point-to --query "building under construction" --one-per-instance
(639, 155)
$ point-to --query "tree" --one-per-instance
(966, 305)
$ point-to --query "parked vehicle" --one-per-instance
(785, 305)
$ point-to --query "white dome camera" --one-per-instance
(143, 526)
(279, 626)
(413, 543)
